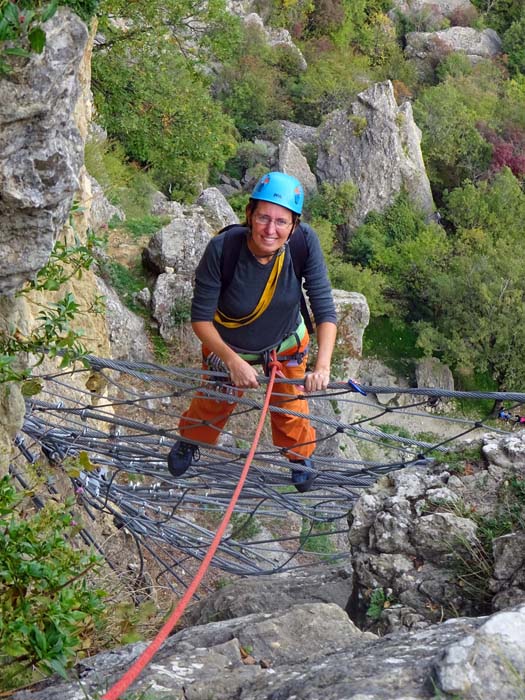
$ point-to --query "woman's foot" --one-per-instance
(303, 480)
(181, 456)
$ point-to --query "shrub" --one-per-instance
(48, 612)
(160, 109)
(514, 46)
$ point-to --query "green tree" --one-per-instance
(153, 96)
(514, 46)
(476, 302)
(500, 14)
(453, 148)
(478, 322)
(333, 79)
(253, 85)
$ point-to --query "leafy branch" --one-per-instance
(21, 29)
(54, 335)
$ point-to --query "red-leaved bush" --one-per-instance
(508, 149)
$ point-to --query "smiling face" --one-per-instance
(271, 226)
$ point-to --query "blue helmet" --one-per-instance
(281, 189)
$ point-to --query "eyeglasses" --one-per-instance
(265, 220)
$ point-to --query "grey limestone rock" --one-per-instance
(216, 208)
(126, 331)
(313, 651)
(292, 162)
(179, 245)
(41, 149)
(475, 44)
(375, 144)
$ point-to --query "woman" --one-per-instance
(239, 320)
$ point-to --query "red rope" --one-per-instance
(143, 660)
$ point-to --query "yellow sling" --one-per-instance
(262, 304)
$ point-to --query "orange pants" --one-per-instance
(206, 417)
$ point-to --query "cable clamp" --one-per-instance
(355, 387)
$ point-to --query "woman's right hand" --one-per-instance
(242, 374)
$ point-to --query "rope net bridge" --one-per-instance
(109, 427)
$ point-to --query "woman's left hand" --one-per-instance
(316, 380)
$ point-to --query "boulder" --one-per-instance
(313, 651)
(320, 584)
(431, 373)
(353, 316)
(216, 208)
(126, 331)
(160, 205)
(101, 211)
(292, 162)
(302, 135)
(429, 48)
(179, 245)
(277, 37)
(170, 303)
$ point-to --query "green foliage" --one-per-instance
(126, 281)
(238, 203)
(500, 14)
(393, 342)
(181, 311)
(21, 26)
(124, 184)
(474, 566)
(514, 46)
(476, 301)
(452, 146)
(333, 202)
(378, 601)
(252, 88)
(160, 109)
(160, 348)
(154, 98)
(54, 336)
(359, 25)
(488, 211)
(332, 81)
(145, 226)
(455, 65)
(290, 13)
(354, 278)
(65, 262)
(244, 526)
(48, 612)
(315, 537)
(405, 250)
(248, 155)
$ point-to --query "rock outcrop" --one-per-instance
(376, 145)
(353, 316)
(41, 149)
(313, 651)
(420, 536)
(425, 47)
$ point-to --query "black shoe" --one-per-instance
(303, 480)
(181, 456)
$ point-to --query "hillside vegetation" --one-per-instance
(188, 105)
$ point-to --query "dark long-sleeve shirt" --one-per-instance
(283, 314)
